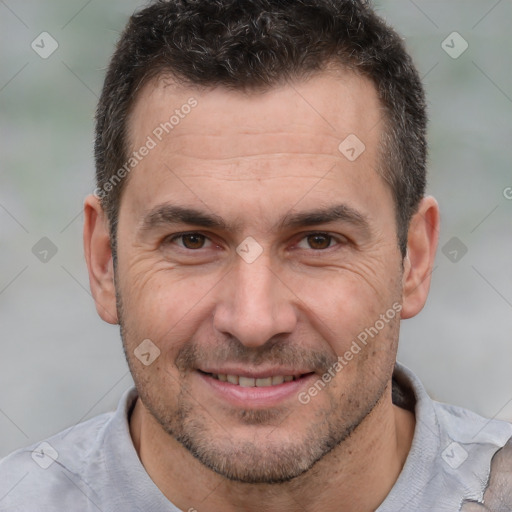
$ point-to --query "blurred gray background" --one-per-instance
(60, 364)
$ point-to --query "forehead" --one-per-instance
(220, 139)
(327, 107)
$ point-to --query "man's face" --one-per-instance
(299, 257)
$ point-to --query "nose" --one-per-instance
(255, 305)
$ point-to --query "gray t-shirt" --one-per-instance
(94, 466)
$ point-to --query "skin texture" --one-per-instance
(252, 159)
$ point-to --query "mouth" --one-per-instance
(254, 382)
(257, 391)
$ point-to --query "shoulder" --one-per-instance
(498, 491)
(466, 427)
(481, 446)
(53, 473)
(447, 423)
(465, 458)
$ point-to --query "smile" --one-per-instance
(262, 389)
(251, 382)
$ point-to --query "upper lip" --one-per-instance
(255, 373)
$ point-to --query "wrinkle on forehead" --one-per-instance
(317, 113)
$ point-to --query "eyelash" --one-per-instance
(341, 240)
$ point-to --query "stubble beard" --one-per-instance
(264, 460)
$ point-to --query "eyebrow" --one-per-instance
(168, 214)
(339, 212)
(165, 214)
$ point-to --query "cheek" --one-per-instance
(343, 302)
(162, 303)
(366, 360)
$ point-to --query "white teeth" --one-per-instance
(233, 379)
(250, 382)
(261, 383)
(277, 379)
(246, 382)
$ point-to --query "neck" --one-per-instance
(370, 459)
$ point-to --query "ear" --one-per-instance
(98, 254)
(419, 260)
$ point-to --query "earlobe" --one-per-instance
(419, 261)
(98, 255)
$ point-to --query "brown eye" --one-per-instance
(193, 240)
(319, 241)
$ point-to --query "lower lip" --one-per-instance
(256, 397)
